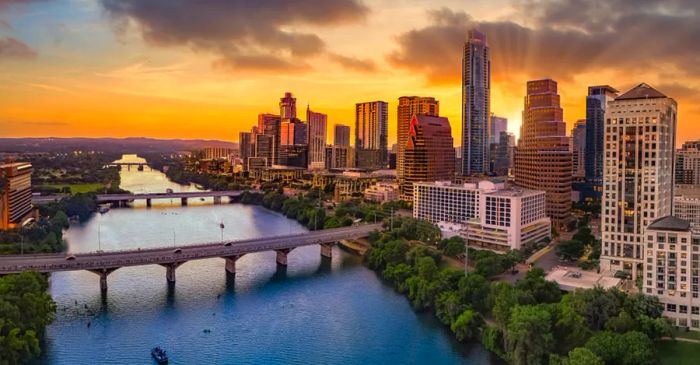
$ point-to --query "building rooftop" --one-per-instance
(570, 279)
(641, 91)
(670, 223)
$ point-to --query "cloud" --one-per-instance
(7, 3)
(353, 63)
(241, 34)
(13, 48)
(566, 38)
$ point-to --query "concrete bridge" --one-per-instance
(121, 199)
(104, 263)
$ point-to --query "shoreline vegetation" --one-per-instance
(529, 322)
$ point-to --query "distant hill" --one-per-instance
(109, 145)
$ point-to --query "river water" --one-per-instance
(313, 312)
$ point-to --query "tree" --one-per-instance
(448, 306)
(467, 325)
(541, 290)
(502, 300)
(631, 348)
(474, 290)
(395, 251)
(529, 335)
(622, 323)
(570, 250)
(455, 246)
(583, 356)
(596, 305)
(397, 274)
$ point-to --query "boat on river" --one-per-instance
(159, 355)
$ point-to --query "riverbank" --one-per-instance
(529, 322)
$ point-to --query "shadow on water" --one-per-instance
(170, 294)
(280, 274)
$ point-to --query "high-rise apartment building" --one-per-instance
(688, 164)
(408, 107)
(288, 106)
(15, 193)
(596, 104)
(640, 133)
(341, 135)
(371, 134)
(269, 149)
(294, 145)
(317, 139)
(502, 154)
(476, 104)
(245, 146)
(429, 153)
(542, 158)
(578, 148)
(498, 125)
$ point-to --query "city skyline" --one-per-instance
(122, 78)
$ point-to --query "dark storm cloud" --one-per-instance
(564, 40)
(13, 48)
(242, 33)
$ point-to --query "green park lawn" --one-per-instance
(79, 188)
(678, 352)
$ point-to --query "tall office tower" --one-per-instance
(498, 125)
(288, 106)
(245, 146)
(543, 159)
(429, 153)
(371, 134)
(640, 133)
(688, 164)
(596, 104)
(578, 148)
(15, 193)
(501, 155)
(294, 144)
(317, 139)
(341, 135)
(269, 124)
(408, 107)
(476, 104)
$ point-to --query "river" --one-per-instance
(313, 312)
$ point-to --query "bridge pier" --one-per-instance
(327, 250)
(282, 256)
(183, 201)
(148, 203)
(170, 270)
(103, 276)
(217, 200)
(231, 263)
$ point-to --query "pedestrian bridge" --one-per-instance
(183, 196)
(106, 262)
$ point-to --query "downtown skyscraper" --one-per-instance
(596, 104)
(638, 176)
(476, 104)
(429, 153)
(542, 158)
(317, 139)
(408, 107)
(371, 134)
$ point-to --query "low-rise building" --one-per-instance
(687, 207)
(494, 216)
(277, 173)
(382, 192)
(672, 269)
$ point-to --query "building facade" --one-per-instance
(428, 153)
(476, 104)
(578, 149)
(15, 193)
(640, 134)
(341, 135)
(596, 104)
(542, 158)
(245, 145)
(672, 250)
(688, 164)
(371, 134)
(494, 216)
(498, 126)
(687, 208)
(288, 106)
(407, 108)
(317, 139)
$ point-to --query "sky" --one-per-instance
(207, 68)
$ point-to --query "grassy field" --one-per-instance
(695, 335)
(678, 352)
(78, 188)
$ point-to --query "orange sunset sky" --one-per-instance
(205, 69)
